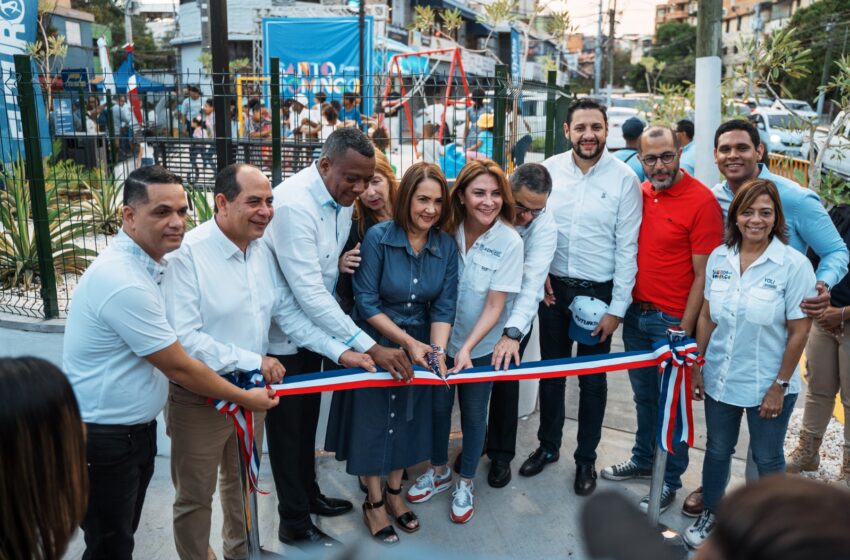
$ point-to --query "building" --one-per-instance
(684, 11)
(76, 27)
(160, 18)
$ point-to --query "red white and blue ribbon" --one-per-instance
(676, 419)
(675, 387)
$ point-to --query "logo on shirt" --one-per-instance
(489, 251)
(769, 283)
(720, 274)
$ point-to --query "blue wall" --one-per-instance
(78, 56)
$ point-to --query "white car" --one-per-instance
(800, 108)
(616, 117)
(837, 156)
(780, 131)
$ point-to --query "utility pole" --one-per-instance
(128, 21)
(707, 97)
(827, 62)
(612, 46)
(597, 62)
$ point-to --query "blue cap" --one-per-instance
(586, 313)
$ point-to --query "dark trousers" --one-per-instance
(555, 342)
(502, 420)
(120, 462)
(291, 438)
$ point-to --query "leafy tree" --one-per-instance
(450, 21)
(675, 47)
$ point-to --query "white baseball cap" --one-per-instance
(302, 99)
(587, 311)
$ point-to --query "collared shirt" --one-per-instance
(678, 223)
(539, 240)
(307, 236)
(411, 289)
(808, 222)
(494, 262)
(751, 310)
(629, 156)
(688, 159)
(221, 302)
(117, 317)
(598, 217)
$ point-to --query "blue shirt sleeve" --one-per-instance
(444, 306)
(819, 233)
(367, 278)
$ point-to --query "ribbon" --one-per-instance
(675, 389)
(675, 396)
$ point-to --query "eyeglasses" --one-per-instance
(520, 209)
(666, 157)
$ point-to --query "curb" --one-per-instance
(18, 323)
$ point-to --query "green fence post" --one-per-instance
(500, 114)
(551, 90)
(83, 115)
(35, 178)
(111, 137)
(562, 143)
(275, 94)
(168, 115)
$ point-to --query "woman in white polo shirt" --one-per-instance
(752, 332)
(481, 207)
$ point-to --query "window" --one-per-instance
(738, 23)
(728, 21)
(72, 33)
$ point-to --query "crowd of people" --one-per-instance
(346, 265)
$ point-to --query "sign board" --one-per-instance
(317, 54)
(18, 20)
(76, 79)
(516, 55)
(397, 33)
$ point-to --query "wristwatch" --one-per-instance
(783, 384)
(513, 333)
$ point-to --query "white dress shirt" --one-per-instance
(751, 310)
(117, 317)
(598, 215)
(539, 240)
(222, 301)
(494, 262)
(307, 236)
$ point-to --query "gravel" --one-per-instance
(831, 449)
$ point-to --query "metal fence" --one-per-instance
(63, 168)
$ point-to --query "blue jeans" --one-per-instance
(641, 329)
(723, 422)
(473, 399)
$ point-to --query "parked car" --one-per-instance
(616, 117)
(780, 131)
(800, 108)
(837, 156)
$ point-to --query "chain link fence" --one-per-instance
(63, 169)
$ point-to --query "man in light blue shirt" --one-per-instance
(632, 129)
(685, 134)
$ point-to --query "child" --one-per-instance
(199, 147)
(483, 148)
(430, 147)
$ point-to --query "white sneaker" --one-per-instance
(462, 509)
(696, 534)
(429, 485)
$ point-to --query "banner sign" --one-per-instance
(18, 21)
(317, 54)
(75, 78)
(516, 55)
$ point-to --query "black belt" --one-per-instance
(579, 283)
(119, 428)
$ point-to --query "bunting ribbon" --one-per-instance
(675, 364)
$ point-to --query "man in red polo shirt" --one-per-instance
(682, 224)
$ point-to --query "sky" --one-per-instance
(633, 16)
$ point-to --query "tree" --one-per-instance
(675, 44)
(146, 54)
(48, 51)
(652, 71)
(423, 19)
(450, 21)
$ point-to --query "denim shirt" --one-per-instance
(809, 224)
(412, 290)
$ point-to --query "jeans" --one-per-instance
(503, 417)
(767, 436)
(641, 329)
(120, 463)
(593, 389)
(473, 399)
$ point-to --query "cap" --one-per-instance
(302, 99)
(587, 311)
(485, 120)
(632, 128)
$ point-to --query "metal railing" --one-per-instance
(789, 167)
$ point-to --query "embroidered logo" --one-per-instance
(720, 274)
(769, 283)
(489, 251)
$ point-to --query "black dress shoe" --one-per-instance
(310, 537)
(585, 482)
(500, 474)
(329, 507)
(536, 461)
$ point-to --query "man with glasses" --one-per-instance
(531, 185)
(682, 224)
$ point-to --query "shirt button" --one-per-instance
(392, 414)
(655, 200)
(409, 304)
(391, 430)
(392, 397)
(416, 280)
(413, 296)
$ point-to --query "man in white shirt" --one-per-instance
(223, 290)
(531, 185)
(311, 228)
(596, 202)
(117, 345)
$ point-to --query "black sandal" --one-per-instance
(385, 535)
(405, 519)
(362, 485)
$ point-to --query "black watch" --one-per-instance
(513, 333)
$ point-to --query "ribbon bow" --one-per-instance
(675, 402)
